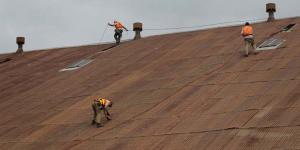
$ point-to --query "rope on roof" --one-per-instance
(206, 25)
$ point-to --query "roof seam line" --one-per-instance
(199, 132)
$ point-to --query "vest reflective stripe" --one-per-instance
(118, 25)
(102, 101)
(247, 30)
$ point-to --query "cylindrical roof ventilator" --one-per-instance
(20, 41)
(138, 28)
(271, 9)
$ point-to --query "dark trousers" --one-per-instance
(98, 112)
(118, 35)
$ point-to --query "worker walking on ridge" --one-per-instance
(247, 33)
(99, 106)
(118, 31)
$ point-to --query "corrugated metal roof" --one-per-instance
(189, 90)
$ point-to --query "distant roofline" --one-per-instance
(205, 27)
(236, 24)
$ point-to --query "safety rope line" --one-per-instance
(205, 25)
(104, 32)
(236, 22)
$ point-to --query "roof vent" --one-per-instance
(288, 28)
(271, 9)
(20, 41)
(271, 43)
(77, 65)
(138, 28)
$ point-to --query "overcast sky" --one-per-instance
(58, 23)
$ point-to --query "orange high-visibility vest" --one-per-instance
(118, 25)
(103, 102)
(247, 30)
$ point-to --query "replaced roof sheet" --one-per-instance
(271, 43)
(77, 65)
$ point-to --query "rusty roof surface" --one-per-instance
(189, 90)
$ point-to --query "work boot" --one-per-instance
(98, 125)
(93, 122)
(108, 118)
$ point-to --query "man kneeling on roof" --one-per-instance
(247, 33)
(101, 105)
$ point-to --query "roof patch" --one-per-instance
(271, 43)
(288, 28)
(5, 60)
(77, 65)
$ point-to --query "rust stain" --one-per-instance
(193, 88)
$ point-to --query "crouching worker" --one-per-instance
(247, 33)
(100, 106)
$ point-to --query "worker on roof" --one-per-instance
(118, 30)
(99, 106)
(247, 33)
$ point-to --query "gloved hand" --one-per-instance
(100, 107)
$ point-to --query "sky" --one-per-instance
(60, 23)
